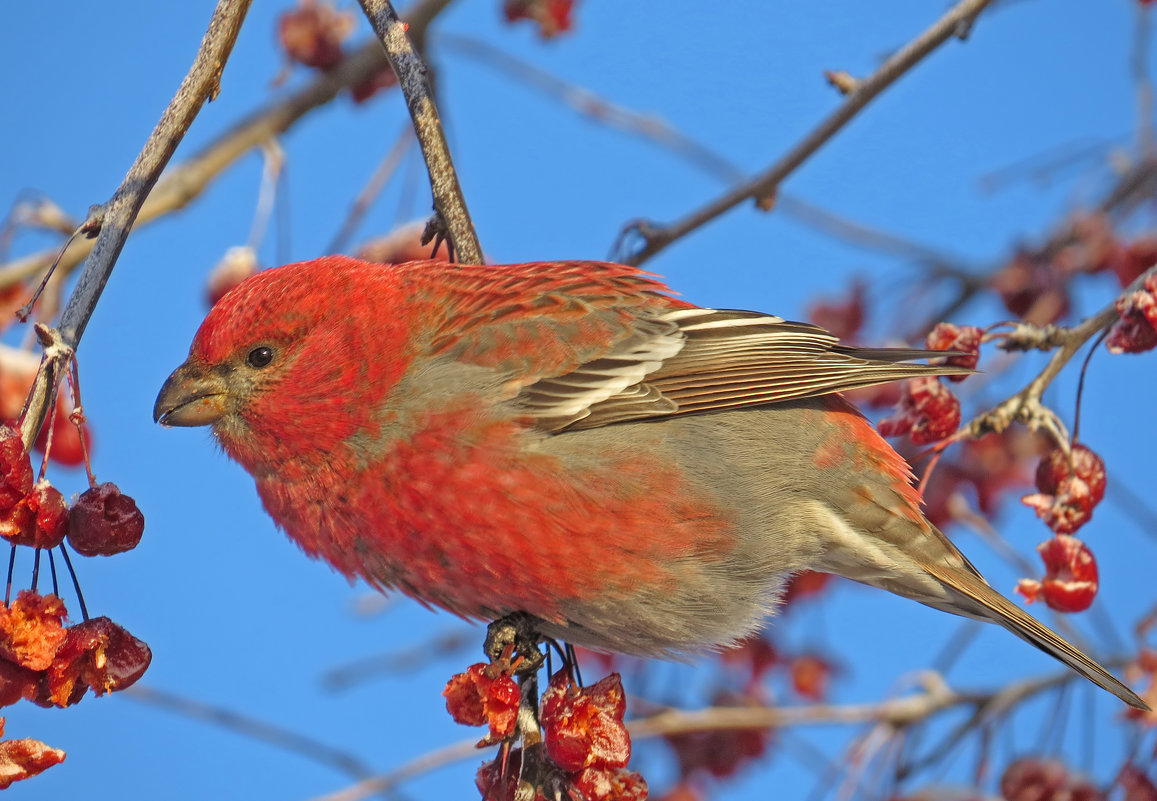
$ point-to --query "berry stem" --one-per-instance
(11, 565)
(75, 583)
(35, 569)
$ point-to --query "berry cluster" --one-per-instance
(1070, 485)
(101, 522)
(585, 747)
(41, 659)
(927, 410)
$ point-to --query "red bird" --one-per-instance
(568, 440)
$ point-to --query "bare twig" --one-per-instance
(117, 216)
(412, 76)
(657, 131)
(254, 729)
(372, 189)
(765, 185)
(188, 180)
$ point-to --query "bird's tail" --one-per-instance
(980, 601)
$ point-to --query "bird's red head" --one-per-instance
(280, 361)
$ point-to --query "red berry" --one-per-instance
(40, 520)
(1136, 331)
(1071, 581)
(553, 16)
(962, 338)
(610, 784)
(843, 319)
(30, 629)
(312, 34)
(15, 468)
(1033, 780)
(484, 695)
(583, 726)
(103, 522)
(1068, 494)
(927, 412)
(98, 654)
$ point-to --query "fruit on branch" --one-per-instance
(568, 440)
(1069, 491)
(104, 521)
(1071, 581)
(928, 412)
(965, 339)
(1136, 331)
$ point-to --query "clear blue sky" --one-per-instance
(236, 616)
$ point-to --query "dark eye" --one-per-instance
(259, 357)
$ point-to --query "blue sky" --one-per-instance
(236, 616)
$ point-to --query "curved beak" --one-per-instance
(191, 396)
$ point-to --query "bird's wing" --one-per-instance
(591, 344)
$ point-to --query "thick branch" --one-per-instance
(415, 83)
(186, 181)
(116, 217)
(764, 186)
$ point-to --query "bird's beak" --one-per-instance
(191, 396)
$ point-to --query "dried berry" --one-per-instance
(610, 784)
(15, 468)
(312, 34)
(1068, 492)
(927, 412)
(97, 654)
(1071, 582)
(39, 520)
(583, 726)
(22, 759)
(103, 521)
(484, 695)
(1136, 330)
(31, 632)
(965, 339)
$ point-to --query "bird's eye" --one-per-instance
(259, 357)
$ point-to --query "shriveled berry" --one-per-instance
(39, 520)
(1071, 580)
(15, 468)
(484, 695)
(965, 339)
(31, 632)
(927, 412)
(610, 784)
(24, 758)
(1068, 493)
(1033, 779)
(97, 654)
(583, 726)
(552, 16)
(103, 521)
(1136, 330)
(312, 34)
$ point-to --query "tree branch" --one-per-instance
(763, 188)
(414, 80)
(187, 180)
(116, 217)
(1025, 406)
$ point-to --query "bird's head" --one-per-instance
(292, 361)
